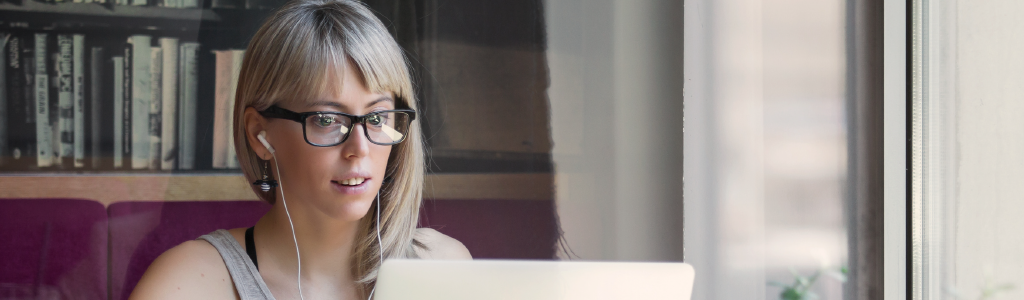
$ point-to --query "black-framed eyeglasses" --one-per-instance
(329, 128)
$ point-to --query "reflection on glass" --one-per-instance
(766, 147)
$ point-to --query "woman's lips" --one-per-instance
(351, 189)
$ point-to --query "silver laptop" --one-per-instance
(530, 279)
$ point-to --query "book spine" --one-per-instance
(28, 67)
(119, 111)
(29, 150)
(65, 101)
(4, 100)
(44, 136)
(127, 107)
(189, 3)
(168, 134)
(221, 94)
(231, 159)
(139, 2)
(141, 98)
(19, 132)
(188, 98)
(155, 106)
(96, 104)
(78, 77)
(54, 84)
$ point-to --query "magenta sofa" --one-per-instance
(74, 248)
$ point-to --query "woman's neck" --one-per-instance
(325, 244)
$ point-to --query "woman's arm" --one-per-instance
(440, 246)
(192, 270)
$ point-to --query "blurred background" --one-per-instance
(764, 89)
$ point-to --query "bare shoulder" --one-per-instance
(440, 246)
(191, 270)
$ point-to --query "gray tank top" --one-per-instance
(248, 283)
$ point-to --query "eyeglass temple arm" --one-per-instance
(280, 113)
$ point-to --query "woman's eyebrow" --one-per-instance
(379, 100)
(319, 103)
(340, 106)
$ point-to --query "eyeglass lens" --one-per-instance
(384, 128)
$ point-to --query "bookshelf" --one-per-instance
(34, 11)
(69, 70)
(482, 95)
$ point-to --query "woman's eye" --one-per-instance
(375, 120)
(323, 121)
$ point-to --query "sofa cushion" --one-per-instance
(141, 231)
(53, 249)
(519, 229)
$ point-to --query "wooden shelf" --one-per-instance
(108, 189)
(106, 10)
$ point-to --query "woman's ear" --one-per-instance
(254, 124)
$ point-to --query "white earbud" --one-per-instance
(263, 140)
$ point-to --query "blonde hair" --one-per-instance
(290, 59)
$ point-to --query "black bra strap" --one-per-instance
(250, 247)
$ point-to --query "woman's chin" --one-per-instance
(349, 208)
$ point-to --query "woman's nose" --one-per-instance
(357, 145)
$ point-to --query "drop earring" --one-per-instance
(266, 183)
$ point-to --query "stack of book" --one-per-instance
(66, 103)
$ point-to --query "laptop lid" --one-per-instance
(528, 279)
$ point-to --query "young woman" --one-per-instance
(325, 111)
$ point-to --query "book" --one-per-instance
(22, 89)
(222, 81)
(126, 107)
(78, 98)
(226, 78)
(4, 157)
(189, 3)
(231, 159)
(141, 95)
(117, 65)
(20, 134)
(96, 88)
(155, 106)
(187, 101)
(44, 135)
(169, 100)
(65, 102)
(54, 101)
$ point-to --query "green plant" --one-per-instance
(800, 289)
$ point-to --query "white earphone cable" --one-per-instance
(298, 256)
